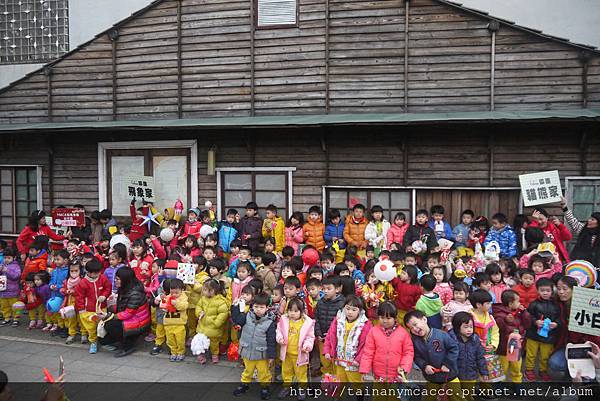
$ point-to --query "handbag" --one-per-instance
(101, 330)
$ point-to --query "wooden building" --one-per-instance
(301, 102)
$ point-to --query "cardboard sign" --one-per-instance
(141, 187)
(68, 217)
(540, 188)
(186, 272)
(585, 311)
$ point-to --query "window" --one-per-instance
(276, 13)
(584, 196)
(18, 197)
(33, 31)
(392, 201)
(263, 187)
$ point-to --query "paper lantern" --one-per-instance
(206, 230)
(310, 257)
(120, 239)
(583, 271)
(385, 270)
(54, 303)
(166, 234)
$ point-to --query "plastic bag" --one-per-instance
(200, 344)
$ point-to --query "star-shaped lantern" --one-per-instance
(150, 218)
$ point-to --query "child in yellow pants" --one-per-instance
(68, 290)
(9, 293)
(175, 306)
(212, 310)
(8, 314)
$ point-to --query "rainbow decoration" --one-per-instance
(583, 271)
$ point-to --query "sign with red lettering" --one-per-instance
(68, 217)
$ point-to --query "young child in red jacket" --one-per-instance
(526, 288)
(408, 291)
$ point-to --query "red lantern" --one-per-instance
(310, 257)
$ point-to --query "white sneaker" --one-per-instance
(84, 339)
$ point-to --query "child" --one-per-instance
(276, 299)
(485, 324)
(273, 226)
(250, 227)
(295, 335)
(257, 346)
(244, 275)
(373, 293)
(420, 231)
(243, 256)
(407, 290)
(42, 291)
(334, 234)
(190, 227)
(158, 316)
(314, 229)
(482, 281)
(354, 266)
(294, 234)
(175, 307)
(388, 351)
(511, 317)
(90, 298)
(471, 355)
(315, 272)
(346, 339)
(141, 263)
(326, 310)
(437, 223)
(312, 296)
(442, 288)
(234, 249)
(460, 233)
(459, 303)
(195, 292)
(292, 287)
(216, 268)
(116, 261)
(498, 285)
(57, 279)
(227, 232)
(327, 263)
(376, 231)
(436, 354)
(138, 228)
(397, 230)
(209, 252)
(509, 271)
(502, 233)
(265, 271)
(212, 311)
(543, 267)
(270, 249)
(190, 249)
(430, 303)
(354, 230)
(526, 290)
(369, 254)
(38, 257)
(33, 303)
(12, 271)
(542, 308)
(68, 291)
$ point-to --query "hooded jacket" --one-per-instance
(396, 234)
(294, 236)
(275, 228)
(506, 238)
(335, 231)
(12, 271)
(331, 340)
(87, 293)
(471, 357)
(314, 234)
(325, 312)
(216, 312)
(383, 354)
(250, 226)
(227, 233)
(306, 340)
(521, 320)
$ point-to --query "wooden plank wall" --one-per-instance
(204, 58)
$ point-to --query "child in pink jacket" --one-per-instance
(397, 230)
(388, 352)
(296, 338)
(346, 339)
(541, 266)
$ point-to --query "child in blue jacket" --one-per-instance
(228, 232)
(57, 278)
(441, 227)
(502, 233)
(334, 230)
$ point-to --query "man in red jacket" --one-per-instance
(554, 230)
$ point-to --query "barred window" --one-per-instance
(33, 31)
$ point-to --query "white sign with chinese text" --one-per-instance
(141, 187)
(585, 311)
(540, 188)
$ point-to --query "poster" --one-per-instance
(540, 188)
(141, 187)
(186, 272)
(68, 217)
(585, 311)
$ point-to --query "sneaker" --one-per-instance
(283, 393)
(215, 359)
(109, 347)
(31, 325)
(53, 328)
(265, 394)
(241, 389)
(530, 375)
(4, 322)
(157, 349)
(15, 323)
(39, 324)
(201, 359)
(70, 340)
(545, 377)
(150, 338)
(48, 327)
(173, 358)
(124, 352)
(180, 358)
(84, 339)
(93, 348)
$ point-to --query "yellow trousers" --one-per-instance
(153, 319)
(176, 339)
(263, 372)
(452, 389)
(37, 313)
(532, 349)
(326, 366)
(161, 336)
(89, 326)
(512, 369)
(55, 318)
(214, 345)
(7, 309)
(192, 322)
(346, 376)
(71, 325)
(290, 369)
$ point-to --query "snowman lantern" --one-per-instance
(492, 251)
(385, 272)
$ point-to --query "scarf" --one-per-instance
(345, 356)
(390, 331)
(73, 282)
(358, 221)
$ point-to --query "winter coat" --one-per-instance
(36, 264)
(521, 321)
(30, 298)
(354, 233)
(375, 239)
(87, 293)
(110, 273)
(258, 338)
(57, 279)
(275, 228)
(142, 268)
(558, 235)
(431, 306)
(194, 291)
(407, 294)
(237, 286)
(330, 345)
(333, 231)
(250, 226)
(152, 287)
(267, 277)
(138, 228)
(396, 234)
(439, 349)
(294, 236)
(526, 295)
(227, 233)
(188, 228)
(422, 233)
(446, 233)
(27, 236)
(383, 354)
(498, 289)
(307, 339)
(216, 312)
(12, 271)
(132, 309)
(471, 357)
(486, 328)
(314, 234)
(444, 291)
(544, 309)
(460, 231)
(506, 238)
(43, 291)
(232, 272)
(451, 309)
(547, 273)
(179, 316)
(325, 312)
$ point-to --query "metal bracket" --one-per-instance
(113, 34)
(493, 26)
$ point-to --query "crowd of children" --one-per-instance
(305, 297)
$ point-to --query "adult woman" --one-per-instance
(588, 244)
(557, 362)
(132, 315)
(554, 230)
(35, 227)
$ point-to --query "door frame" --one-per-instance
(103, 147)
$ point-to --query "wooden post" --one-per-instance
(179, 75)
(491, 159)
(493, 27)
(325, 149)
(405, 159)
(327, 96)
(252, 61)
(585, 58)
(406, 39)
(113, 35)
(48, 74)
(50, 147)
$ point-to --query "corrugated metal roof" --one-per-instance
(316, 120)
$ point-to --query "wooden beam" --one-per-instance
(48, 74)
(50, 147)
(585, 58)
(179, 74)
(406, 40)
(327, 95)
(583, 152)
(113, 35)
(493, 27)
(252, 58)
(491, 159)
